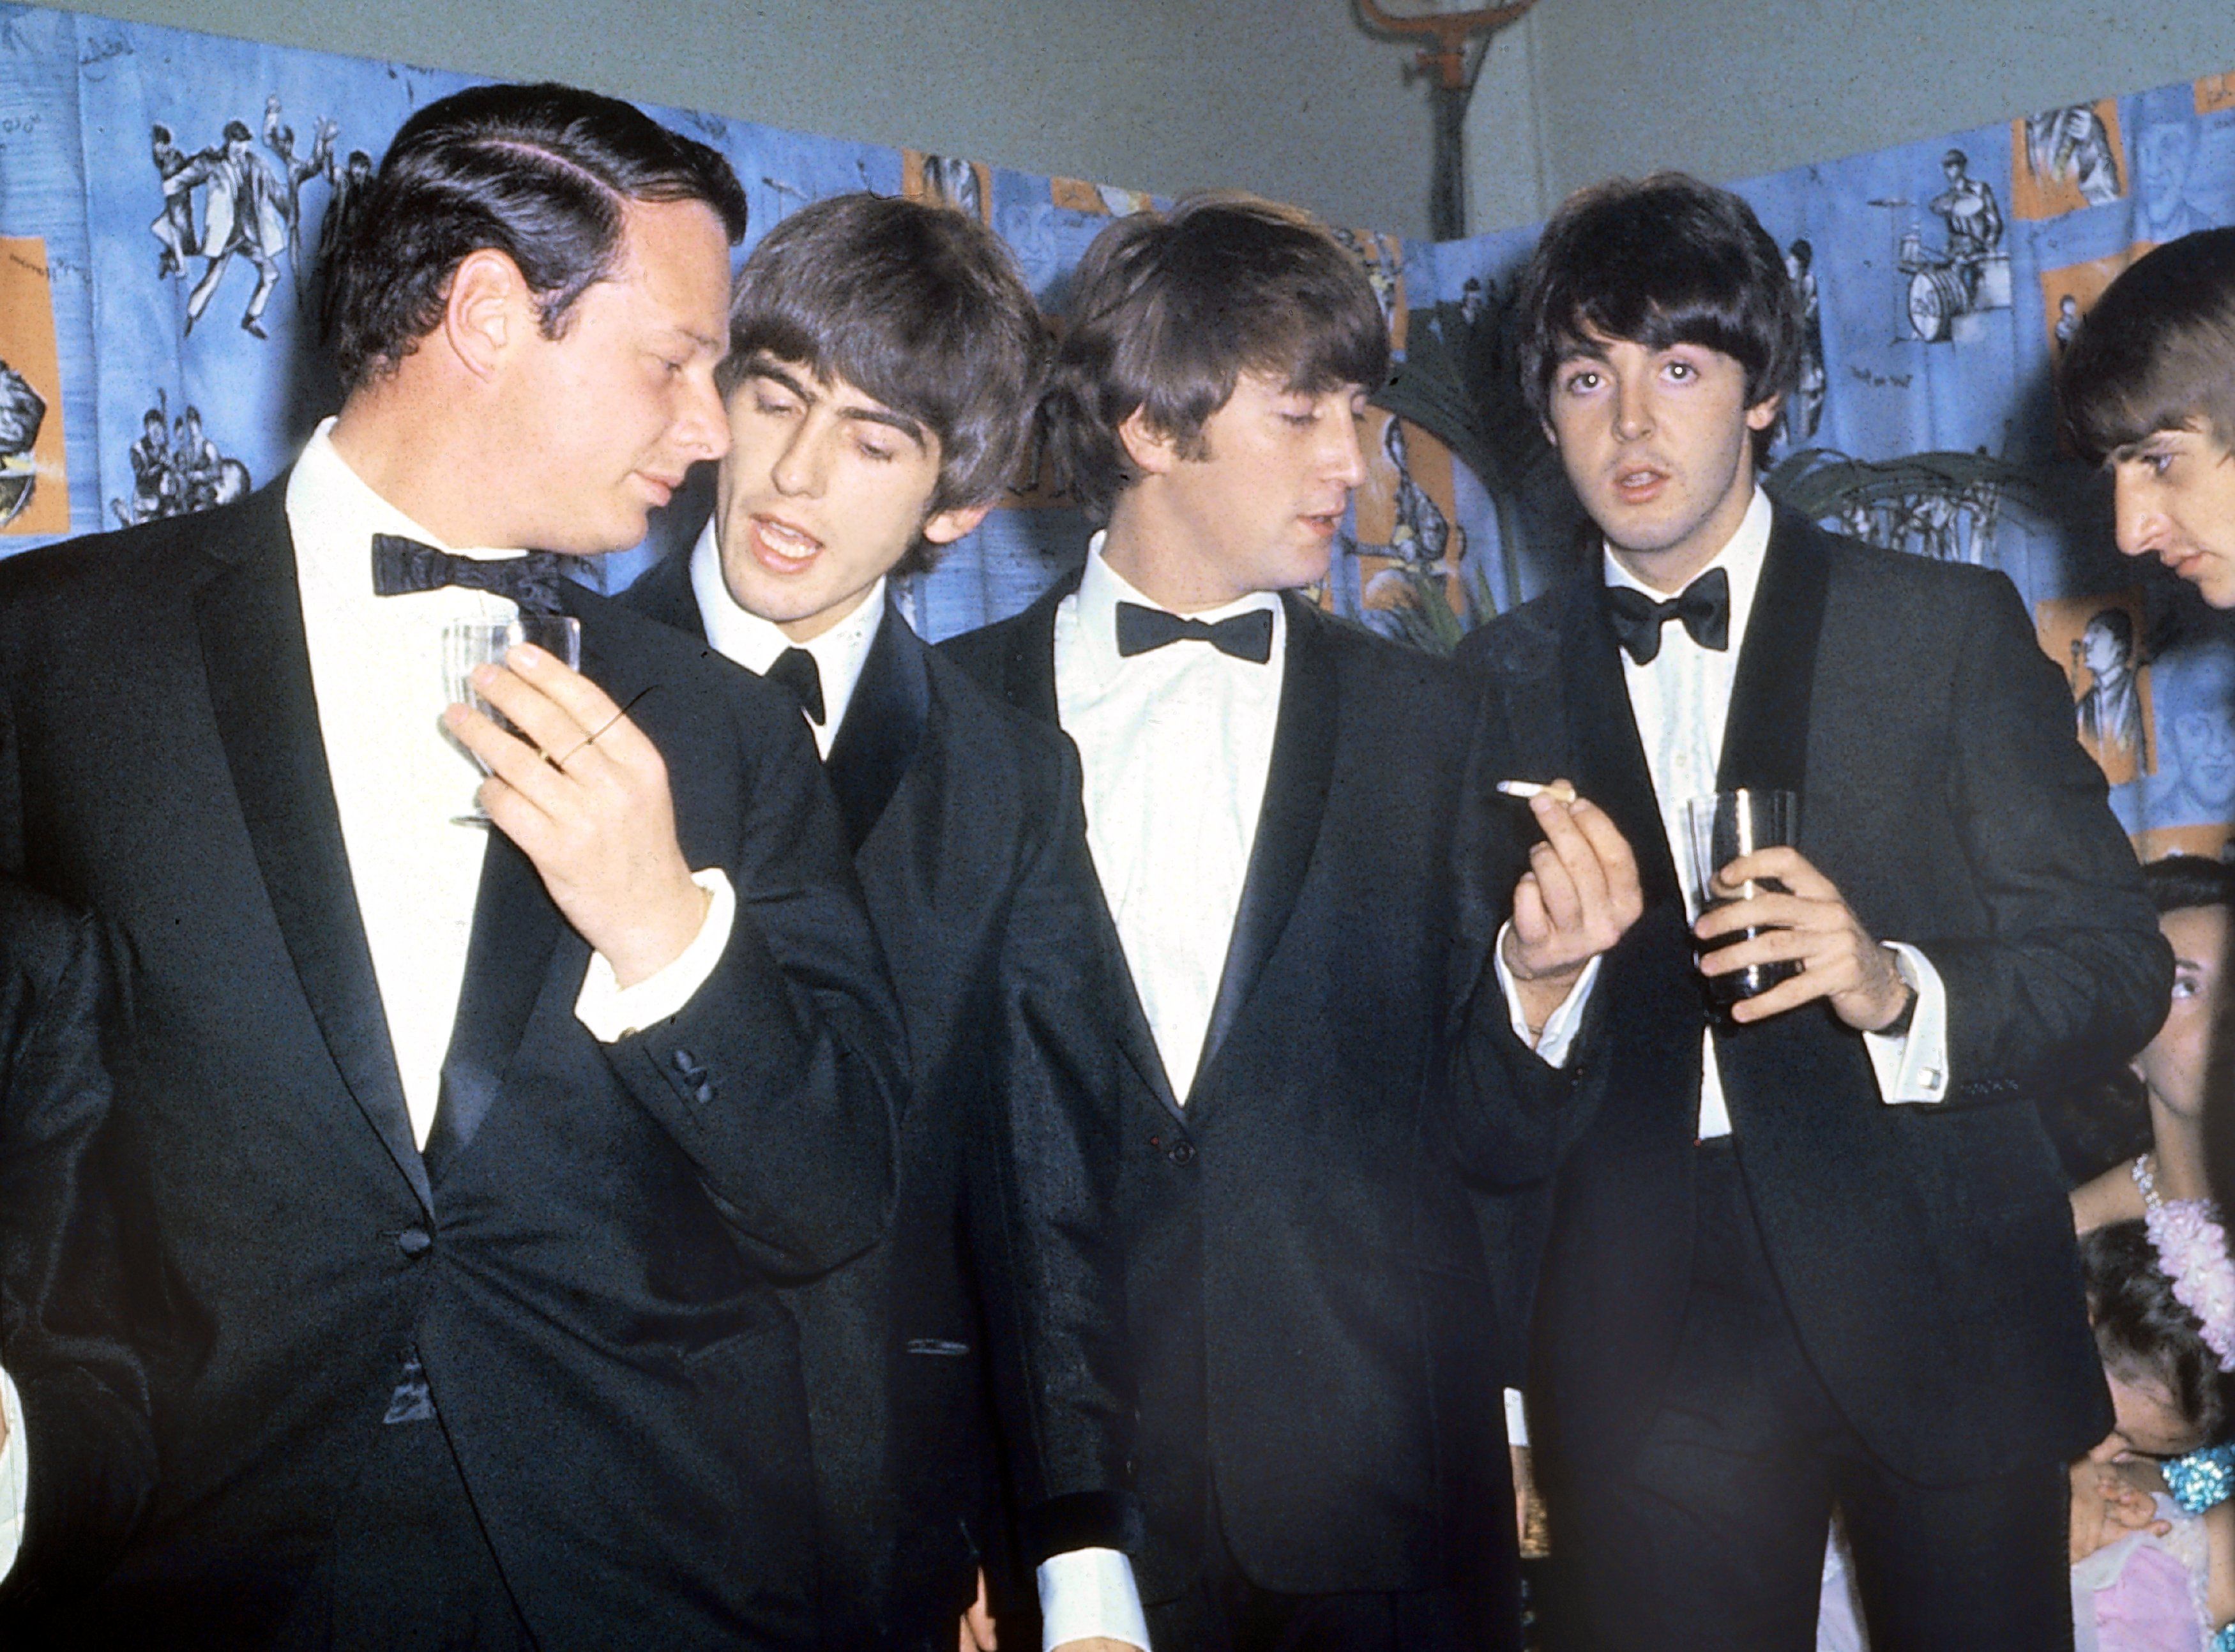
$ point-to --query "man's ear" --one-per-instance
(945, 526)
(1152, 452)
(488, 312)
(1763, 414)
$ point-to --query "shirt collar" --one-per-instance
(1740, 560)
(840, 652)
(330, 502)
(1101, 588)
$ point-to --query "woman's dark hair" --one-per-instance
(2179, 882)
(1659, 261)
(2157, 352)
(2141, 1328)
(542, 174)
(919, 305)
(1167, 309)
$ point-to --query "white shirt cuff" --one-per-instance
(1086, 1592)
(1517, 1418)
(1913, 1068)
(1562, 1026)
(612, 1011)
(15, 1475)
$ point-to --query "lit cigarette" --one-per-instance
(1559, 789)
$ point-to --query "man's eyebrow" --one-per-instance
(763, 367)
(2143, 447)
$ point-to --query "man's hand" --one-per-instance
(1809, 923)
(1580, 894)
(593, 815)
(976, 1632)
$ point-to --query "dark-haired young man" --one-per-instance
(1270, 801)
(468, 1161)
(1817, 1253)
(2148, 388)
(884, 360)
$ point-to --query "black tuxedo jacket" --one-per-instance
(62, 1336)
(965, 822)
(585, 1257)
(1925, 1251)
(1309, 1306)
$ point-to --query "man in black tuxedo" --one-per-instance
(469, 1159)
(1817, 1253)
(884, 360)
(72, 1387)
(1269, 798)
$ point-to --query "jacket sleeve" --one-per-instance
(1044, 1197)
(781, 1078)
(1508, 1117)
(63, 1336)
(2071, 971)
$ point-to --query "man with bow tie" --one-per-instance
(1816, 1253)
(468, 1159)
(1270, 796)
(885, 358)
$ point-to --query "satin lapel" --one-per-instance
(1609, 758)
(515, 927)
(258, 668)
(1287, 822)
(883, 726)
(1766, 734)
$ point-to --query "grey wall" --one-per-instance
(1287, 97)
(1730, 89)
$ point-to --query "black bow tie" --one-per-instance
(1704, 605)
(401, 566)
(795, 669)
(1246, 636)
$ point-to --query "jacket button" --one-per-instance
(1183, 1153)
(415, 1242)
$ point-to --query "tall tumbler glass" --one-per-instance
(1719, 830)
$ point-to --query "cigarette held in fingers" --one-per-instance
(1558, 789)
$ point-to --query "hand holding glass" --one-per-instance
(1719, 830)
(469, 643)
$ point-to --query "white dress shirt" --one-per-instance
(400, 781)
(1174, 748)
(1682, 699)
(839, 653)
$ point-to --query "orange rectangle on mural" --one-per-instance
(2064, 158)
(2215, 93)
(34, 485)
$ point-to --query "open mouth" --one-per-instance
(781, 546)
(1635, 486)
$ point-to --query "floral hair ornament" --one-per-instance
(2191, 1247)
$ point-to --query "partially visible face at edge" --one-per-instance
(2174, 1065)
(2175, 500)
(825, 488)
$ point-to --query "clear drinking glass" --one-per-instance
(469, 642)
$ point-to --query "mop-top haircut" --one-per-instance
(919, 305)
(1656, 262)
(1167, 309)
(2158, 350)
(542, 174)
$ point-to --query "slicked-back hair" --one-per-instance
(919, 305)
(1655, 262)
(2157, 352)
(542, 174)
(2143, 1332)
(2178, 883)
(1167, 309)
